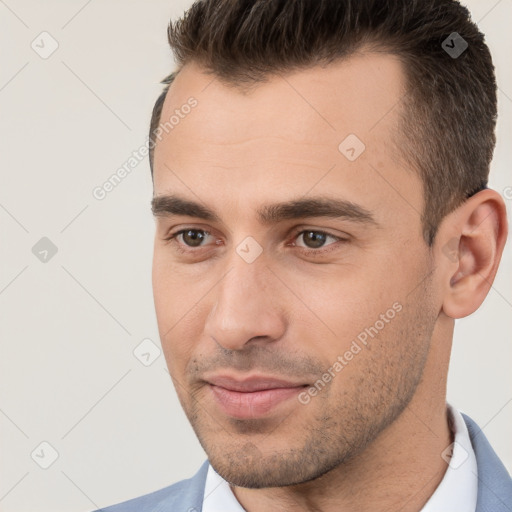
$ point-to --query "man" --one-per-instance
(320, 193)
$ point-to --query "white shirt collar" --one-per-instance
(457, 490)
(218, 496)
(459, 486)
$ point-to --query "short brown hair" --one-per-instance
(448, 115)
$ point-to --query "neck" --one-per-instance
(399, 470)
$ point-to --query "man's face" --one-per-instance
(293, 337)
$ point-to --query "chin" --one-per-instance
(244, 464)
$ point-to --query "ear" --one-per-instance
(471, 245)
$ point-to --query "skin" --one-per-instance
(372, 438)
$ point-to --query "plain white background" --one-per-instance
(69, 326)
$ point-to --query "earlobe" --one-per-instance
(473, 252)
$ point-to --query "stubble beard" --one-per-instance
(337, 425)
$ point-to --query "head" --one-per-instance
(322, 218)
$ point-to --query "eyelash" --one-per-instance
(308, 252)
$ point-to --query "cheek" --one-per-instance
(343, 302)
(159, 280)
(178, 347)
(344, 307)
(172, 296)
(173, 308)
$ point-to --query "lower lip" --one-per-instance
(254, 404)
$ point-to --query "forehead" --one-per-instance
(351, 94)
(287, 135)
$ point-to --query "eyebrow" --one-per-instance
(169, 205)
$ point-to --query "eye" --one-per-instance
(314, 242)
(315, 239)
(189, 237)
(193, 237)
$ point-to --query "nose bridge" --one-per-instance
(244, 305)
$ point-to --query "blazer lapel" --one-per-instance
(494, 482)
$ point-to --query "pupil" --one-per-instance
(317, 239)
(196, 237)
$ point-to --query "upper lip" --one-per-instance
(250, 384)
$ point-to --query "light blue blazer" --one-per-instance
(494, 485)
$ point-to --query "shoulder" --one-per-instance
(494, 481)
(186, 495)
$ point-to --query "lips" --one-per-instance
(251, 397)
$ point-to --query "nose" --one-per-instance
(246, 309)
